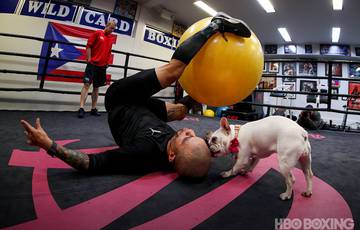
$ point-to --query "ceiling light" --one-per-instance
(205, 7)
(284, 34)
(335, 34)
(337, 4)
(266, 4)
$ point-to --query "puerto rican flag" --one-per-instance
(66, 33)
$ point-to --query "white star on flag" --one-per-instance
(55, 51)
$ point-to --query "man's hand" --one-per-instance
(36, 135)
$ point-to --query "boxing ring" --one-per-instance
(39, 192)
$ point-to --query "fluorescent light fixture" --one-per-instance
(284, 34)
(266, 4)
(205, 7)
(335, 34)
(337, 4)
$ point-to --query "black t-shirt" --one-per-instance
(139, 131)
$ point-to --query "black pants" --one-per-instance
(135, 90)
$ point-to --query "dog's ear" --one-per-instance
(225, 124)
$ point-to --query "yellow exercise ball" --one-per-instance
(209, 113)
(222, 72)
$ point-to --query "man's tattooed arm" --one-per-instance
(75, 159)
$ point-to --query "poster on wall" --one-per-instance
(178, 29)
(308, 68)
(336, 69)
(49, 9)
(289, 69)
(99, 19)
(270, 49)
(342, 50)
(125, 8)
(290, 86)
(308, 49)
(354, 89)
(160, 38)
(357, 51)
(308, 86)
(265, 67)
(66, 33)
(274, 67)
(267, 82)
(354, 70)
(290, 49)
(8, 6)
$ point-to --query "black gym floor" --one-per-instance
(39, 192)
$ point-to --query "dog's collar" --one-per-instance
(234, 143)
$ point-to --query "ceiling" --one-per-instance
(308, 21)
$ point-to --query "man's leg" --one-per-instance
(83, 97)
(220, 23)
(84, 94)
(94, 97)
(140, 87)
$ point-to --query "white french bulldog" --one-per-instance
(261, 138)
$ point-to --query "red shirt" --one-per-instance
(100, 45)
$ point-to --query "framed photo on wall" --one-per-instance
(336, 69)
(335, 84)
(354, 89)
(308, 86)
(265, 68)
(308, 49)
(290, 86)
(178, 29)
(334, 91)
(357, 51)
(270, 49)
(289, 69)
(267, 83)
(341, 50)
(354, 70)
(308, 68)
(273, 67)
(290, 49)
(126, 8)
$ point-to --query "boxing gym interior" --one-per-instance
(303, 57)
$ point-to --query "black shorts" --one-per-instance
(95, 75)
(136, 90)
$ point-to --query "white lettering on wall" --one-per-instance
(87, 17)
(124, 26)
(101, 21)
(34, 6)
(48, 8)
(64, 11)
(151, 35)
(161, 38)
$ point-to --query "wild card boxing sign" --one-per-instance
(48, 9)
(160, 38)
(98, 20)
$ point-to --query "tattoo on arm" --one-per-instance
(75, 159)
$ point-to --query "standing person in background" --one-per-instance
(98, 53)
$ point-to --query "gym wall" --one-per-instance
(33, 26)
